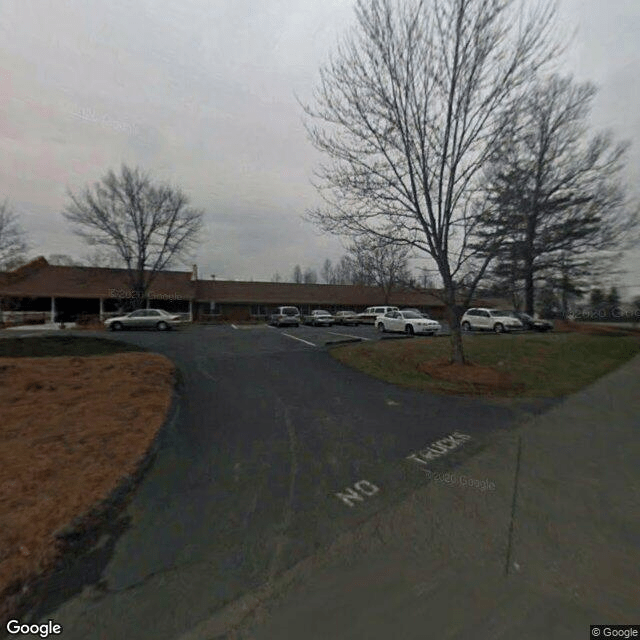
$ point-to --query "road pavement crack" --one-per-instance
(288, 512)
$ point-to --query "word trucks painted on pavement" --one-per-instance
(439, 448)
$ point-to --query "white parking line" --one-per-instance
(300, 339)
(347, 335)
(234, 326)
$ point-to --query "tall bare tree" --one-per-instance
(297, 274)
(309, 276)
(408, 110)
(343, 272)
(13, 239)
(382, 265)
(149, 226)
(557, 191)
(103, 258)
(327, 272)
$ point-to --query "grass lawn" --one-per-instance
(526, 365)
(53, 346)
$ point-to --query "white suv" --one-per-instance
(489, 320)
(370, 314)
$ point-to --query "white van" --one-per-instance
(287, 316)
(369, 315)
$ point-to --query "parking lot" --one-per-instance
(323, 336)
(276, 449)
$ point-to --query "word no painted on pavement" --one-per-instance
(439, 448)
(360, 490)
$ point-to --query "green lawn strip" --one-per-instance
(55, 346)
(550, 365)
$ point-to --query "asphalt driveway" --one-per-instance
(275, 449)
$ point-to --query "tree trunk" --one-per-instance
(454, 314)
(528, 287)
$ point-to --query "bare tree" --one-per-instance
(103, 258)
(558, 194)
(276, 277)
(310, 276)
(381, 265)
(63, 260)
(327, 272)
(149, 226)
(409, 110)
(13, 242)
(297, 274)
(343, 272)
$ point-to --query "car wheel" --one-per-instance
(409, 330)
(116, 326)
(466, 326)
(296, 325)
(498, 327)
(162, 326)
(381, 328)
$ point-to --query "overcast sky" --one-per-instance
(202, 93)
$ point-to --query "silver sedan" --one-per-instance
(144, 319)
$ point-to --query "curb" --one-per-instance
(83, 532)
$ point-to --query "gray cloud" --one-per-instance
(202, 94)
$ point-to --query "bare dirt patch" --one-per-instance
(476, 379)
(70, 428)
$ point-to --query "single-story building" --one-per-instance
(38, 291)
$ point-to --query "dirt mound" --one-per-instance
(477, 379)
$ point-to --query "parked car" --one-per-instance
(346, 317)
(408, 322)
(319, 317)
(533, 324)
(370, 314)
(285, 316)
(489, 320)
(422, 313)
(144, 319)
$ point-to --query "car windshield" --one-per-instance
(346, 313)
(289, 311)
(411, 315)
(321, 312)
(525, 316)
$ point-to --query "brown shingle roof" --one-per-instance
(221, 291)
(40, 279)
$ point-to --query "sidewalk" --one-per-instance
(434, 566)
